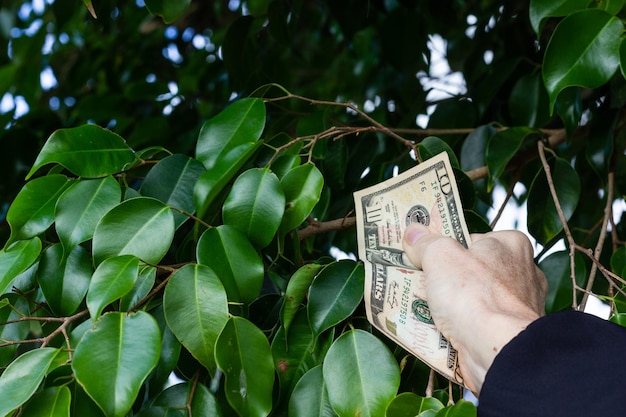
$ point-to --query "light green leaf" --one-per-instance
(172, 181)
(361, 375)
(50, 402)
(543, 220)
(169, 10)
(64, 282)
(409, 404)
(113, 278)
(235, 261)
(113, 359)
(542, 9)
(141, 226)
(462, 408)
(196, 310)
(81, 207)
(22, 377)
(86, 151)
(16, 259)
(302, 187)
(335, 294)
(255, 206)
(297, 289)
(310, 396)
(583, 51)
(32, 211)
(243, 354)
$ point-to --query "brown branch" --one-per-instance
(316, 227)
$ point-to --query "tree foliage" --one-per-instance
(176, 175)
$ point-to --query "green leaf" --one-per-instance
(235, 261)
(610, 6)
(501, 148)
(64, 282)
(302, 187)
(583, 51)
(335, 294)
(168, 10)
(297, 289)
(431, 146)
(86, 151)
(202, 403)
(543, 220)
(172, 181)
(239, 124)
(22, 377)
(141, 288)
(528, 104)
(141, 226)
(542, 9)
(13, 308)
(50, 402)
(310, 396)
(255, 206)
(462, 408)
(556, 268)
(81, 207)
(113, 359)
(409, 404)
(243, 354)
(32, 211)
(619, 318)
(16, 259)
(622, 57)
(361, 375)
(196, 310)
(113, 278)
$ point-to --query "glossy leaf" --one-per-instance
(113, 359)
(541, 9)
(501, 148)
(619, 318)
(431, 146)
(297, 289)
(239, 124)
(310, 396)
(622, 57)
(113, 278)
(16, 259)
(141, 288)
(232, 257)
(50, 402)
(32, 211)
(170, 354)
(81, 207)
(177, 397)
(302, 187)
(169, 10)
(361, 375)
(461, 408)
(556, 268)
(409, 404)
(583, 51)
(64, 282)
(13, 308)
(528, 104)
(543, 220)
(86, 151)
(196, 310)
(243, 354)
(141, 226)
(22, 377)
(335, 294)
(172, 181)
(255, 206)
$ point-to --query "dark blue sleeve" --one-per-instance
(566, 364)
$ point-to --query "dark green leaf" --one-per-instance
(409, 404)
(303, 187)
(583, 51)
(235, 261)
(50, 402)
(172, 181)
(361, 375)
(14, 329)
(86, 151)
(32, 211)
(501, 148)
(334, 294)
(255, 206)
(243, 354)
(177, 397)
(113, 359)
(556, 268)
(542, 9)
(196, 310)
(529, 101)
(141, 226)
(141, 288)
(169, 10)
(16, 259)
(113, 278)
(431, 146)
(81, 207)
(462, 408)
(310, 397)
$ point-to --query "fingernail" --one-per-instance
(414, 233)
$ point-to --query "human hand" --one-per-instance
(481, 297)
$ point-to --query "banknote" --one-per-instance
(395, 290)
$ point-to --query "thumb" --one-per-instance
(416, 240)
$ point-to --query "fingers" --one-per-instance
(419, 239)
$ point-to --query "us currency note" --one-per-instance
(395, 291)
